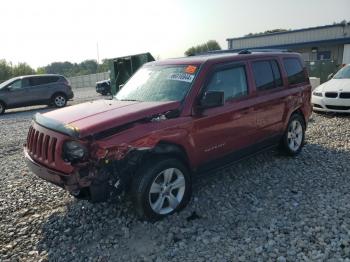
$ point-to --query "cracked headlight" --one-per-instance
(74, 151)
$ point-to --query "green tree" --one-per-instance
(71, 69)
(5, 70)
(22, 69)
(211, 45)
(104, 67)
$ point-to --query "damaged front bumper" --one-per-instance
(73, 183)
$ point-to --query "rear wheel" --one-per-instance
(2, 108)
(161, 188)
(294, 136)
(59, 100)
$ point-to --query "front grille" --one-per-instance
(345, 95)
(331, 94)
(41, 146)
(338, 107)
(317, 105)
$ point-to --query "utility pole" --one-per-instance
(98, 54)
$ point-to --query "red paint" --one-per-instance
(204, 136)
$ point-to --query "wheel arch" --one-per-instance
(172, 149)
(300, 112)
(58, 93)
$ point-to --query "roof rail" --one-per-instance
(218, 52)
(243, 51)
(261, 50)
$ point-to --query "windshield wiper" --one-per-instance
(130, 100)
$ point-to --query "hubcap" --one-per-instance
(167, 191)
(60, 101)
(295, 135)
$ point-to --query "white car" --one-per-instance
(333, 95)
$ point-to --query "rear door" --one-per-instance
(228, 128)
(41, 87)
(271, 100)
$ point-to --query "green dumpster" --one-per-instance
(122, 68)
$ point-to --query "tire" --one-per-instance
(2, 108)
(170, 182)
(59, 100)
(294, 136)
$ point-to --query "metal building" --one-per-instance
(323, 48)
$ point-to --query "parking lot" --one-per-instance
(268, 207)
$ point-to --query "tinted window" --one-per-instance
(264, 78)
(43, 80)
(25, 82)
(294, 71)
(276, 73)
(232, 81)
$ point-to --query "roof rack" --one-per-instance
(261, 50)
(243, 51)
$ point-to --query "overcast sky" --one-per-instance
(43, 31)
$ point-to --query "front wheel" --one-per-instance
(161, 188)
(294, 136)
(59, 100)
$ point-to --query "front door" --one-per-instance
(228, 128)
(17, 94)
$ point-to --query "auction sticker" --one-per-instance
(181, 77)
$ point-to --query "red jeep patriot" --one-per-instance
(172, 119)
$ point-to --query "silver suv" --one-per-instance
(35, 90)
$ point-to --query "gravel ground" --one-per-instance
(266, 208)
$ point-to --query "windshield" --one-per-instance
(343, 73)
(158, 83)
(2, 85)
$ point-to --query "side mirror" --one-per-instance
(212, 99)
(330, 76)
(121, 86)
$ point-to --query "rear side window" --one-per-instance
(35, 81)
(232, 81)
(294, 71)
(267, 75)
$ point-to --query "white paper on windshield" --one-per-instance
(181, 77)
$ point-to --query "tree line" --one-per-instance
(211, 45)
(8, 70)
(68, 69)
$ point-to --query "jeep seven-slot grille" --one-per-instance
(41, 146)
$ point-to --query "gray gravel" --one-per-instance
(267, 208)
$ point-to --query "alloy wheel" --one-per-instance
(295, 135)
(167, 191)
(60, 101)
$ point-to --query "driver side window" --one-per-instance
(231, 80)
(16, 84)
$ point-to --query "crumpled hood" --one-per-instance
(93, 117)
(335, 85)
